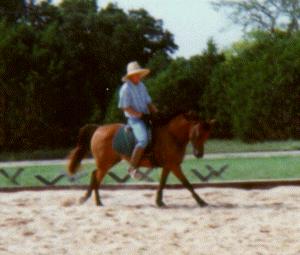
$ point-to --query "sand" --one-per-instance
(236, 222)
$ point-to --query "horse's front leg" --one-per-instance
(163, 180)
(178, 173)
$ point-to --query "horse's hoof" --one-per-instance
(203, 204)
(160, 204)
(98, 202)
(82, 200)
(136, 174)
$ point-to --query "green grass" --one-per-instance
(217, 146)
(238, 169)
(252, 168)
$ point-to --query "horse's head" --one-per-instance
(198, 134)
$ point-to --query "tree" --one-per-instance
(151, 37)
(257, 90)
(12, 10)
(41, 15)
(181, 85)
(267, 15)
(61, 65)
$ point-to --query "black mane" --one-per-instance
(163, 118)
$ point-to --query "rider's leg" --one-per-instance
(140, 132)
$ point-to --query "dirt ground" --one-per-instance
(236, 222)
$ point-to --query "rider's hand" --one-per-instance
(146, 118)
(140, 115)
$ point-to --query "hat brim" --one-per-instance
(142, 72)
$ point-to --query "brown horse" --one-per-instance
(169, 144)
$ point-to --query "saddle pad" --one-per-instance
(124, 141)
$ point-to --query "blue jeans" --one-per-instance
(140, 131)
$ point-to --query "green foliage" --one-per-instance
(171, 87)
(60, 66)
(261, 88)
(217, 102)
(12, 10)
(114, 114)
(180, 86)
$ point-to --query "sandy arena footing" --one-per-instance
(236, 222)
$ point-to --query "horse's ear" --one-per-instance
(191, 116)
(208, 124)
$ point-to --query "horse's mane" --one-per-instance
(163, 118)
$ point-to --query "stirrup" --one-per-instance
(135, 173)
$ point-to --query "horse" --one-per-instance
(170, 140)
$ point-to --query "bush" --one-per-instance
(257, 91)
(181, 86)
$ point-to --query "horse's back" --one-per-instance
(106, 131)
(103, 136)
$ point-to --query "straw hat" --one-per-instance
(135, 68)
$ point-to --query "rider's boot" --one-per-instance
(134, 163)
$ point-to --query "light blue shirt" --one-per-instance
(134, 96)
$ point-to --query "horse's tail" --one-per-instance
(82, 148)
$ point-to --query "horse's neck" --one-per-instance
(180, 128)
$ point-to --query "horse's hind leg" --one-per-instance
(178, 173)
(163, 180)
(99, 175)
(90, 188)
(96, 179)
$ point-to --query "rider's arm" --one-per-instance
(132, 112)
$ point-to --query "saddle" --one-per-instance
(124, 142)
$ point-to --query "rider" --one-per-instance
(135, 101)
